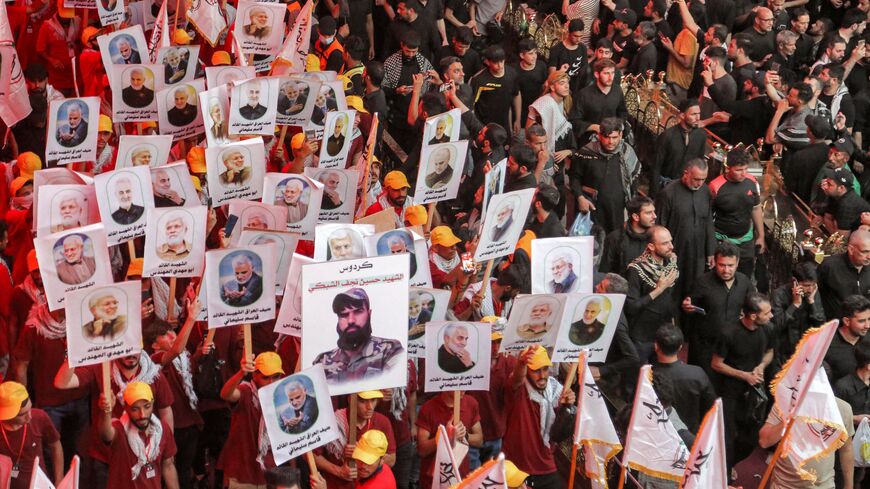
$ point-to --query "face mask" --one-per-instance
(25, 202)
(326, 40)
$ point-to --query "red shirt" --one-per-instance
(402, 426)
(382, 479)
(183, 415)
(435, 412)
(40, 432)
(50, 355)
(493, 418)
(377, 422)
(122, 460)
(51, 44)
(238, 459)
(523, 443)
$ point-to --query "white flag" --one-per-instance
(791, 383)
(206, 17)
(446, 469)
(39, 479)
(489, 476)
(71, 479)
(594, 430)
(652, 444)
(160, 36)
(14, 100)
(291, 57)
(706, 468)
(241, 60)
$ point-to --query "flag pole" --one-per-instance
(776, 455)
(580, 371)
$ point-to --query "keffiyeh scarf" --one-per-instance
(552, 119)
(336, 447)
(145, 453)
(182, 366)
(263, 443)
(547, 402)
(148, 371)
(46, 326)
(650, 271)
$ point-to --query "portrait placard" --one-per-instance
(72, 130)
(503, 224)
(330, 98)
(215, 107)
(243, 285)
(442, 128)
(172, 186)
(298, 414)
(235, 171)
(179, 64)
(123, 47)
(424, 305)
(52, 176)
(289, 320)
(440, 171)
(256, 216)
(216, 76)
(300, 196)
(339, 193)
(150, 151)
(111, 12)
(562, 265)
(493, 183)
(175, 242)
(296, 97)
(140, 13)
(334, 242)
(133, 89)
(73, 260)
(534, 320)
(123, 196)
(178, 109)
(65, 207)
(285, 245)
(588, 322)
(259, 26)
(403, 240)
(253, 106)
(321, 76)
(104, 323)
(368, 300)
(457, 356)
(337, 137)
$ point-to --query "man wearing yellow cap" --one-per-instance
(514, 477)
(142, 445)
(439, 411)
(394, 196)
(247, 453)
(26, 433)
(369, 455)
(105, 152)
(444, 260)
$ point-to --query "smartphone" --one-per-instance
(231, 223)
(444, 87)
(699, 310)
(467, 262)
(146, 294)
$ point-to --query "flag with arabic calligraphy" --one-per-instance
(594, 430)
(205, 16)
(706, 467)
(489, 476)
(652, 445)
(446, 469)
(39, 479)
(14, 99)
(291, 57)
(791, 383)
(160, 36)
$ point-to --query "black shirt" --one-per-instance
(722, 305)
(576, 61)
(644, 59)
(743, 350)
(696, 391)
(854, 391)
(839, 279)
(494, 96)
(471, 63)
(840, 358)
(675, 147)
(847, 209)
(530, 83)
(645, 314)
(762, 44)
(592, 106)
(551, 227)
(732, 206)
(620, 248)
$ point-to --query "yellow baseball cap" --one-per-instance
(181, 37)
(135, 268)
(196, 183)
(416, 215)
(371, 395)
(196, 160)
(514, 477)
(297, 141)
(147, 125)
(137, 391)
(443, 235)
(105, 124)
(28, 162)
(18, 183)
(356, 102)
(268, 363)
(396, 180)
(220, 58)
(496, 336)
(372, 445)
(88, 33)
(539, 359)
(32, 263)
(12, 395)
(64, 12)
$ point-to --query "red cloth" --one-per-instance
(289, 351)
(20, 241)
(53, 46)
(523, 444)
(438, 276)
(238, 459)
(402, 427)
(122, 460)
(382, 479)
(493, 418)
(183, 416)
(91, 65)
(378, 422)
(40, 433)
(435, 412)
(45, 357)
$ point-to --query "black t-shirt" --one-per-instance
(576, 61)
(847, 209)
(741, 349)
(494, 96)
(732, 206)
(531, 85)
(356, 21)
(847, 107)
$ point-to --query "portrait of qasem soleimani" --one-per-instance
(123, 50)
(458, 350)
(439, 169)
(590, 318)
(125, 191)
(359, 353)
(107, 311)
(72, 123)
(138, 91)
(241, 278)
(74, 259)
(296, 404)
(398, 241)
(421, 306)
(183, 109)
(442, 125)
(292, 97)
(252, 93)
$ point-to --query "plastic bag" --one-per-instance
(861, 444)
(582, 225)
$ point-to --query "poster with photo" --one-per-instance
(403, 240)
(503, 224)
(321, 76)
(72, 130)
(337, 137)
(53, 176)
(368, 300)
(442, 128)
(493, 183)
(440, 171)
(296, 97)
(143, 151)
(236, 170)
(333, 242)
(133, 89)
(330, 98)
(179, 64)
(256, 216)
(298, 414)
(178, 109)
(534, 320)
(104, 323)
(300, 196)
(289, 320)
(111, 12)
(562, 265)
(65, 207)
(123, 196)
(588, 322)
(339, 193)
(216, 76)
(123, 47)
(175, 242)
(172, 186)
(424, 305)
(73, 260)
(457, 356)
(215, 107)
(243, 285)
(253, 106)
(141, 14)
(285, 245)
(259, 26)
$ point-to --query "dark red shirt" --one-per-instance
(402, 426)
(40, 432)
(523, 444)
(122, 460)
(493, 418)
(435, 412)
(183, 416)
(49, 355)
(238, 459)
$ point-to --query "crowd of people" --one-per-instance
(679, 233)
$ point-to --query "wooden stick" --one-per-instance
(249, 350)
(175, 22)
(569, 378)
(486, 273)
(209, 337)
(776, 455)
(312, 467)
(430, 210)
(351, 419)
(170, 305)
(131, 246)
(456, 405)
(107, 380)
(251, 59)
